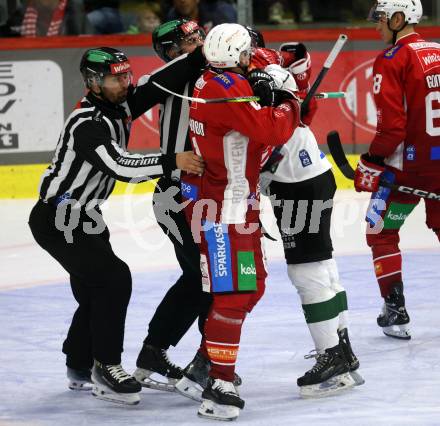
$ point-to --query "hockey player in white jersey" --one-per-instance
(301, 187)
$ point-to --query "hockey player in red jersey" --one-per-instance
(231, 138)
(405, 150)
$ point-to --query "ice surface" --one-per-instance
(402, 378)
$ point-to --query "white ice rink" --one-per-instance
(402, 378)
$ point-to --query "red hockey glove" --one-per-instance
(367, 174)
(308, 114)
(301, 67)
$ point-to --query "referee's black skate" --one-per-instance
(195, 378)
(329, 375)
(394, 318)
(80, 379)
(155, 370)
(112, 383)
(353, 362)
(220, 401)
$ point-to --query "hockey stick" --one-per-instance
(342, 39)
(276, 156)
(324, 95)
(337, 152)
(330, 95)
(209, 101)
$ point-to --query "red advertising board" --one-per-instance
(354, 117)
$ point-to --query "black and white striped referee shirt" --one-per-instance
(174, 124)
(91, 152)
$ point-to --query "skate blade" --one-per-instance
(80, 386)
(144, 377)
(397, 331)
(211, 410)
(106, 394)
(329, 387)
(190, 389)
(358, 379)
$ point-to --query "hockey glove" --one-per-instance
(308, 114)
(263, 86)
(367, 174)
(301, 66)
(284, 81)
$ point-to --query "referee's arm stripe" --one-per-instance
(129, 166)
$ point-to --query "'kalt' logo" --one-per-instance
(358, 106)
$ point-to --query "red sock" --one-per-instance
(222, 335)
(387, 266)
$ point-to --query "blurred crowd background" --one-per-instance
(32, 18)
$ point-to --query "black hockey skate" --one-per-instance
(195, 378)
(329, 375)
(394, 318)
(155, 370)
(352, 360)
(220, 401)
(112, 383)
(80, 379)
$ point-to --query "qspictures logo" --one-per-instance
(8, 137)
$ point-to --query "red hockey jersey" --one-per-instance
(406, 87)
(231, 138)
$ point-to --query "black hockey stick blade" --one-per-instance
(337, 152)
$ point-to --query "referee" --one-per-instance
(90, 155)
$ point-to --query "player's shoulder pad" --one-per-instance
(391, 52)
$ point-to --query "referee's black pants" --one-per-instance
(101, 284)
(185, 300)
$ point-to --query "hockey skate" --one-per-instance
(155, 370)
(112, 383)
(394, 318)
(195, 378)
(79, 379)
(353, 362)
(328, 376)
(220, 401)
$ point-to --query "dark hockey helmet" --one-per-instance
(98, 62)
(170, 35)
(256, 36)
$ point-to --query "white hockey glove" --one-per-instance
(283, 79)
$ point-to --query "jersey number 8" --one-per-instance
(377, 81)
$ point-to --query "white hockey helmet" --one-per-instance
(412, 9)
(225, 44)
